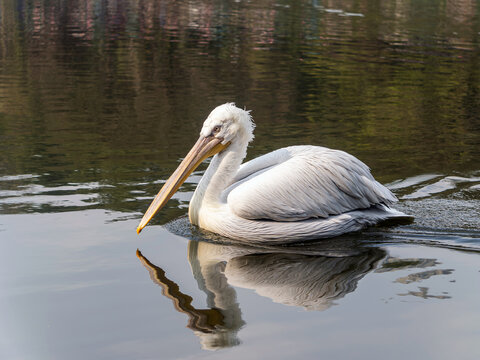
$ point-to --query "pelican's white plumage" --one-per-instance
(292, 177)
(292, 194)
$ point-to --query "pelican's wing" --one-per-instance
(302, 182)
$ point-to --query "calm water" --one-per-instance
(99, 100)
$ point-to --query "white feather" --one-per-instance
(303, 182)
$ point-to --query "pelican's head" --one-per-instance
(226, 126)
(229, 123)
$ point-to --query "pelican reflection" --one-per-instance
(216, 326)
(309, 277)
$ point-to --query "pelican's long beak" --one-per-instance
(203, 148)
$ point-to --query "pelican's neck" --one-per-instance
(217, 177)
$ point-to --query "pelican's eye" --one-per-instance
(216, 129)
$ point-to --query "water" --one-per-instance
(99, 101)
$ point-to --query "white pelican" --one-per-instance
(292, 194)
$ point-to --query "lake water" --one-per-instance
(100, 100)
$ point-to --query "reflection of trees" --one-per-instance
(93, 87)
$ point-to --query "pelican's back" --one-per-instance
(302, 182)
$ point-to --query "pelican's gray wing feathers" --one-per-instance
(302, 182)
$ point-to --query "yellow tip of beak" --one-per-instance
(139, 229)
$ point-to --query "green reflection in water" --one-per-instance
(114, 92)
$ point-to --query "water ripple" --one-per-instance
(445, 184)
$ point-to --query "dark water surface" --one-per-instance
(99, 100)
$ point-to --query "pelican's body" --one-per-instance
(292, 194)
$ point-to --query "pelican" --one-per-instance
(293, 194)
